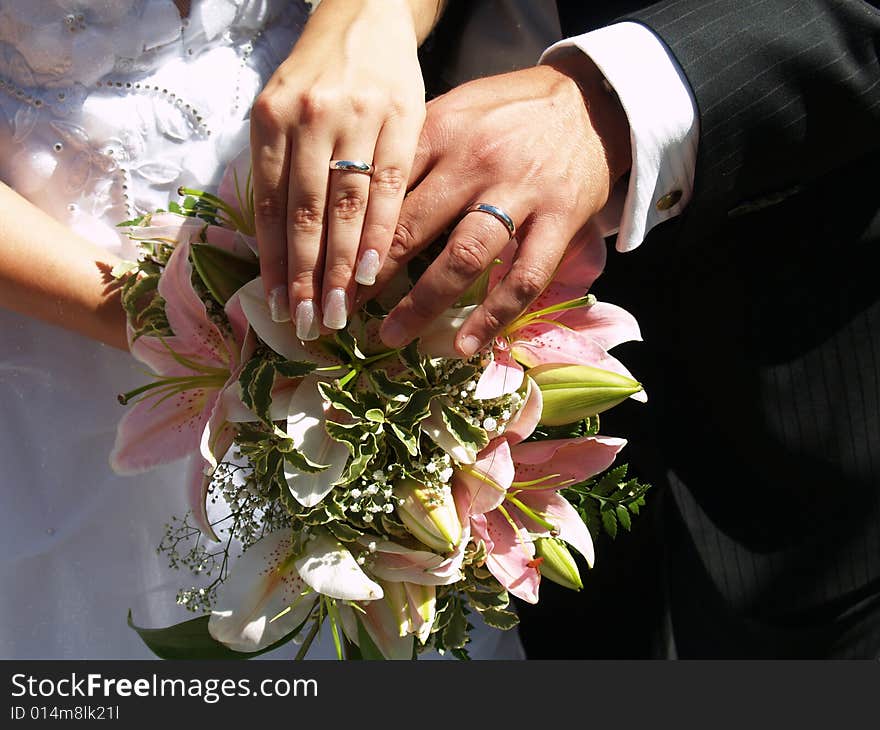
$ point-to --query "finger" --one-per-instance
(472, 246)
(393, 160)
(307, 197)
(543, 246)
(429, 210)
(270, 159)
(347, 197)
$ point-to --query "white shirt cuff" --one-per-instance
(663, 121)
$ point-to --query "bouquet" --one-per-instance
(382, 495)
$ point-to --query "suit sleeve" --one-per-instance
(786, 92)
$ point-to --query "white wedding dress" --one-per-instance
(106, 107)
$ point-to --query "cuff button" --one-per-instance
(668, 200)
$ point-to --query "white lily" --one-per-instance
(280, 336)
(438, 338)
(263, 599)
(306, 416)
(271, 592)
(330, 569)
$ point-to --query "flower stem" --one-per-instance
(307, 642)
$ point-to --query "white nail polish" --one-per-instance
(335, 309)
(279, 307)
(368, 268)
(306, 324)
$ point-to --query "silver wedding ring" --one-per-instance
(495, 212)
(365, 168)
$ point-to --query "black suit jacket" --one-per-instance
(760, 309)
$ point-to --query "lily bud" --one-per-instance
(558, 565)
(573, 392)
(429, 514)
(422, 609)
(396, 598)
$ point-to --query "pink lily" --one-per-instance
(173, 228)
(182, 414)
(527, 503)
(561, 326)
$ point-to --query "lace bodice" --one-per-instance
(107, 106)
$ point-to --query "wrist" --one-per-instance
(606, 114)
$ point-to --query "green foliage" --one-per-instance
(143, 305)
(451, 627)
(466, 434)
(191, 640)
(609, 501)
(258, 376)
(221, 272)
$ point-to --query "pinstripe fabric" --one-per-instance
(761, 314)
(760, 310)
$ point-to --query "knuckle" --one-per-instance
(389, 180)
(527, 283)
(314, 105)
(364, 102)
(303, 278)
(339, 271)
(307, 215)
(402, 242)
(419, 307)
(265, 113)
(349, 204)
(269, 208)
(467, 257)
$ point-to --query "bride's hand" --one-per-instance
(352, 90)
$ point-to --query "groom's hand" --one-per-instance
(538, 145)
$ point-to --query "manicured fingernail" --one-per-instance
(392, 334)
(279, 306)
(368, 268)
(335, 309)
(306, 324)
(468, 345)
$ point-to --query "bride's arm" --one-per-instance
(49, 272)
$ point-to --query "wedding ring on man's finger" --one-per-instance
(365, 168)
(495, 212)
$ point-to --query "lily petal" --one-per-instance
(482, 486)
(156, 431)
(557, 509)
(502, 376)
(330, 569)
(156, 353)
(557, 463)
(511, 559)
(198, 480)
(393, 562)
(249, 614)
(305, 426)
(438, 338)
(233, 188)
(607, 324)
(422, 602)
(186, 312)
(526, 419)
(280, 336)
(383, 627)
